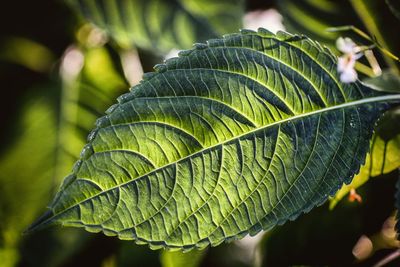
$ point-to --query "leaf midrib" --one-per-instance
(326, 109)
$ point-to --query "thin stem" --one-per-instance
(352, 28)
(365, 10)
(391, 257)
(365, 36)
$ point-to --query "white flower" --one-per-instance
(346, 69)
(346, 45)
(347, 61)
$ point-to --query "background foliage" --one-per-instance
(60, 73)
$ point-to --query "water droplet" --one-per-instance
(76, 167)
(200, 46)
(124, 98)
(91, 135)
(67, 180)
(183, 53)
(111, 109)
(87, 151)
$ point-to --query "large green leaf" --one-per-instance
(235, 136)
(162, 24)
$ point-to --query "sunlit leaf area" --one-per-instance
(200, 133)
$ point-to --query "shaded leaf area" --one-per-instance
(384, 155)
(84, 99)
(162, 25)
(322, 230)
(314, 17)
(234, 136)
(394, 6)
(226, 255)
(397, 205)
(59, 248)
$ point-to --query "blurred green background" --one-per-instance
(59, 73)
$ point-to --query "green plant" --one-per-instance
(239, 134)
(233, 137)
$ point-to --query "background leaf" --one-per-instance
(375, 15)
(388, 82)
(23, 194)
(84, 98)
(314, 17)
(182, 259)
(162, 25)
(394, 7)
(219, 143)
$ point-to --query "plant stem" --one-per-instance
(364, 11)
(391, 257)
(365, 36)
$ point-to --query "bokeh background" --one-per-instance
(59, 72)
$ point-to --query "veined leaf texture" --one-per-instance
(232, 137)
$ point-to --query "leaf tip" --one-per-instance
(41, 223)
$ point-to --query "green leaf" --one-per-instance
(182, 259)
(314, 17)
(162, 24)
(27, 53)
(378, 20)
(235, 136)
(387, 82)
